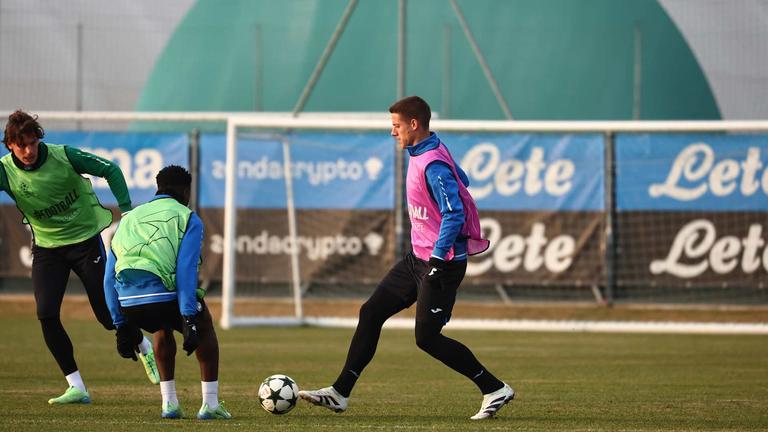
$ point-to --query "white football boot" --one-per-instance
(492, 402)
(326, 397)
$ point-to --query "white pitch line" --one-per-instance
(566, 326)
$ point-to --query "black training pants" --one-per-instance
(403, 286)
(50, 274)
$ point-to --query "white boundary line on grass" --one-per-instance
(567, 326)
(667, 327)
(527, 325)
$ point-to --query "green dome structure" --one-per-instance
(545, 59)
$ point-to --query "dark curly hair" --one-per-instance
(20, 123)
(175, 181)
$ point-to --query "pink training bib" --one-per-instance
(425, 214)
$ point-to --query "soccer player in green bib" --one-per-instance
(151, 283)
(47, 184)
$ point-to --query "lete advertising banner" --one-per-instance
(693, 208)
(541, 202)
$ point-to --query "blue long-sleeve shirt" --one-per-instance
(444, 189)
(136, 287)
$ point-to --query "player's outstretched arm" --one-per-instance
(88, 163)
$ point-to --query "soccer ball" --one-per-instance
(278, 394)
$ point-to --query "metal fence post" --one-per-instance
(610, 211)
(399, 201)
(194, 168)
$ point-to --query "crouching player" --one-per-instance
(151, 283)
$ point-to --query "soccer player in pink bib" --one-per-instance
(445, 229)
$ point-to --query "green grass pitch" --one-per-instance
(565, 382)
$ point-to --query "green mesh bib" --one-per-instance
(149, 237)
(57, 202)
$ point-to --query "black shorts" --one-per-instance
(434, 302)
(152, 317)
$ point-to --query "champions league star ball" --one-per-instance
(278, 394)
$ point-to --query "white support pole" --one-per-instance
(228, 253)
(295, 269)
(478, 126)
(347, 121)
(637, 74)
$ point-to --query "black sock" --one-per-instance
(345, 382)
(486, 382)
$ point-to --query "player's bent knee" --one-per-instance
(372, 313)
(108, 325)
(104, 318)
(426, 334)
(367, 312)
(206, 330)
(425, 342)
(49, 318)
(47, 311)
(164, 340)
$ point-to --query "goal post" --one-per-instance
(229, 318)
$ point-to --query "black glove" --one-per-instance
(436, 269)
(128, 338)
(191, 338)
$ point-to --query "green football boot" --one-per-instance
(172, 411)
(150, 367)
(73, 395)
(220, 413)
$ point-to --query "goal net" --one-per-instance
(308, 215)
